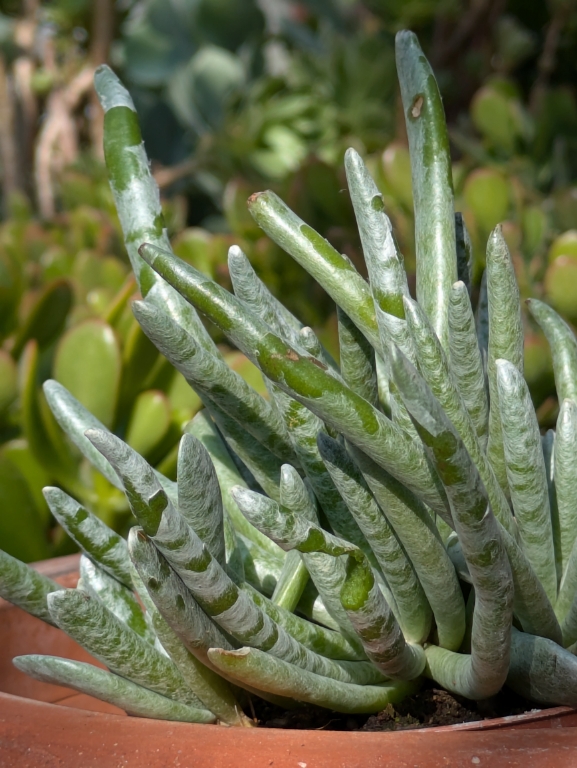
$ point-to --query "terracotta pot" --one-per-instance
(36, 731)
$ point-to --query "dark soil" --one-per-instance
(427, 708)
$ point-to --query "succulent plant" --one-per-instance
(409, 485)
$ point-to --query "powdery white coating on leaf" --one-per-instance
(414, 610)
(565, 451)
(383, 640)
(343, 283)
(261, 463)
(295, 495)
(563, 348)
(139, 202)
(466, 360)
(199, 498)
(357, 360)
(165, 591)
(290, 530)
(435, 244)
(210, 375)
(110, 90)
(75, 419)
(271, 674)
(316, 638)
(109, 640)
(435, 369)
(203, 428)
(25, 587)
(526, 473)
(262, 347)
(420, 539)
(542, 671)
(115, 596)
(134, 699)
(328, 574)
(505, 339)
(93, 536)
(165, 298)
(242, 619)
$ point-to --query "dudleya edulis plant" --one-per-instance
(394, 517)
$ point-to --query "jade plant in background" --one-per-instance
(404, 499)
(65, 296)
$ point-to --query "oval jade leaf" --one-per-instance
(43, 436)
(561, 287)
(22, 530)
(45, 320)
(19, 453)
(88, 362)
(149, 421)
(564, 245)
(488, 195)
(8, 380)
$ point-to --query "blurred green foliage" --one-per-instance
(235, 96)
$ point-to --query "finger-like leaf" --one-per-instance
(414, 612)
(563, 348)
(277, 676)
(134, 699)
(505, 340)
(110, 641)
(466, 360)
(304, 380)
(432, 182)
(483, 673)
(526, 473)
(94, 537)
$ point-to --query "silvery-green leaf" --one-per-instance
(358, 365)
(376, 625)
(466, 360)
(95, 538)
(542, 671)
(431, 174)
(505, 339)
(277, 676)
(134, 699)
(565, 452)
(482, 673)
(563, 348)
(414, 612)
(526, 474)
(25, 587)
(109, 640)
(302, 379)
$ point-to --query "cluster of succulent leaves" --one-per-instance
(404, 500)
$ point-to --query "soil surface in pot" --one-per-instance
(430, 707)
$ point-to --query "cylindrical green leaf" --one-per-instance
(308, 383)
(505, 339)
(466, 360)
(563, 348)
(481, 674)
(432, 182)
(330, 269)
(277, 676)
(134, 699)
(109, 640)
(526, 473)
